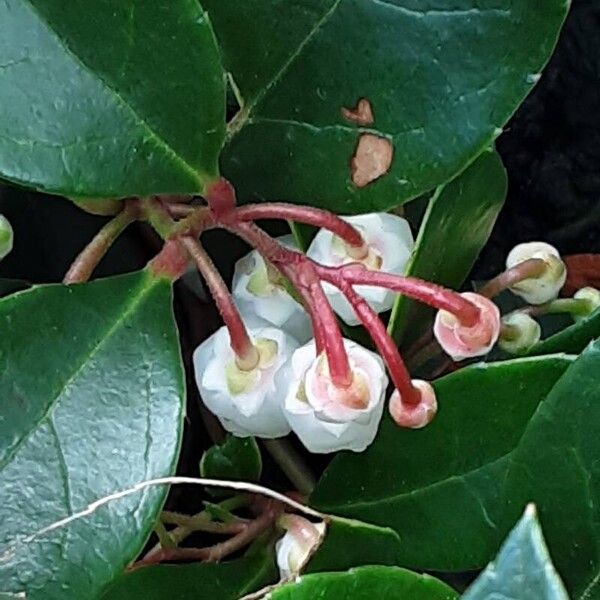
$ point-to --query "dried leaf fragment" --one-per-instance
(361, 115)
(372, 159)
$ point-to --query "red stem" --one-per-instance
(241, 343)
(428, 293)
(304, 214)
(386, 346)
(530, 268)
(301, 272)
(87, 260)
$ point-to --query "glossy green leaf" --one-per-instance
(556, 466)
(111, 98)
(522, 570)
(439, 487)
(350, 543)
(236, 458)
(572, 339)
(366, 583)
(456, 226)
(91, 402)
(438, 76)
(224, 581)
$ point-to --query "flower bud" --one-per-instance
(6, 237)
(258, 289)
(414, 416)
(591, 296)
(389, 243)
(247, 402)
(296, 546)
(545, 287)
(327, 418)
(520, 333)
(462, 342)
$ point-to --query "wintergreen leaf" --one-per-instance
(366, 583)
(439, 79)
(236, 458)
(112, 98)
(456, 226)
(556, 466)
(224, 581)
(531, 435)
(523, 569)
(572, 339)
(439, 487)
(349, 543)
(91, 389)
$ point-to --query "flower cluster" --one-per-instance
(280, 363)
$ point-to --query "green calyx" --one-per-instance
(241, 380)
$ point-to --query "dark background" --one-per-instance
(551, 149)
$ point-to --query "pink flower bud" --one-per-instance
(414, 416)
(462, 342)
(296, 546)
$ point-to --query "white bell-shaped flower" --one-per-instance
(326, 418)
(6, 237)
(389, 241)
(295, 547)
(546, 287)
(248, 403)
(259, 289)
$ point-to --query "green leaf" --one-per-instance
(236, 458)
(572, 339)
(225, 581)
(91, 389)
(456, 226)
(523, 568)
(112, 98)
(438, 75)
(438, 487)
(556, 466)
(349, 543)
(457, 495)
(366, 583)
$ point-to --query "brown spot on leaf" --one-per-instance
(361, 115)
(372, 159)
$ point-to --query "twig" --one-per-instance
(221, 550)
(83, 266)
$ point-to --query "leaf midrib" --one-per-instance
(197, 175)
(146, 285)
